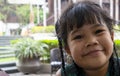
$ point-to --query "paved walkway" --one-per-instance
(21, 74)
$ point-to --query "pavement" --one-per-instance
(21, 74)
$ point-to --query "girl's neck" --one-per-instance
(102, 71)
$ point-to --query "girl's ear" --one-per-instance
(67, 50)
(112, 36)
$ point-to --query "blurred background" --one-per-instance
(27, 22)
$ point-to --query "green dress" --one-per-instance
(72, 71)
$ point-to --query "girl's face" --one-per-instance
(90, 46)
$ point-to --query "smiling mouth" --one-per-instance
(92, 53)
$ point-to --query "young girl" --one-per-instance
(85, 31)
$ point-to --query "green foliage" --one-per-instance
(2, 16)
(24, 48)
(4, 10)
(42, 29)
(23, 13)
(12, 42)
(51, 44)
(7, 9)
(28, 48)
(40, 15)
(50, 28)
(117, 43)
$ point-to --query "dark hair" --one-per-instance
(78, 14)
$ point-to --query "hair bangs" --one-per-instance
(81, 15)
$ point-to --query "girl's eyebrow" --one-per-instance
(96, 25)
(74, 31)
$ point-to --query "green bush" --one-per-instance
(117, 43)
(51, 44)
(12, 42)
(42, 29)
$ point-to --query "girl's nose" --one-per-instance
(90, 41)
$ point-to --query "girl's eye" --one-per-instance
(77, 37)
(99, 31)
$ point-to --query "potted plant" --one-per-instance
(28, 53)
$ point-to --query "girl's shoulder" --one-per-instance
(70, 70)
(70, 67)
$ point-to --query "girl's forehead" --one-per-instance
(88, 26)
